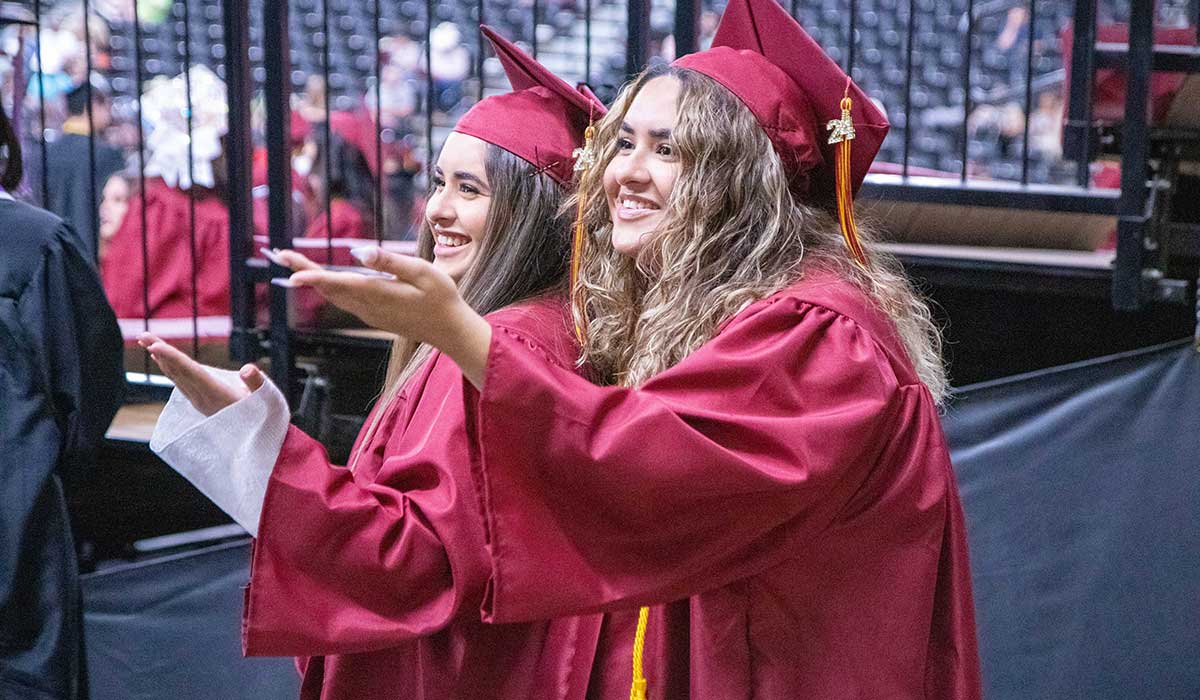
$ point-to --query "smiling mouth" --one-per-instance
(450, 240)
(629, 209)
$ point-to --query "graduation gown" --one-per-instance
(348, 222)
(786, 487)
(378, 574)
(61, 382)
(170, 259)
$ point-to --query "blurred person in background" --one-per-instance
(349, 191)
(451, 64)
(67, 172)
(114, 202)
(161, 283)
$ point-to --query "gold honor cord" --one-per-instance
(585, 158)
(843, 134)
(637, 691)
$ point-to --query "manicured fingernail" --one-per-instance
(285, 282)
(365, 254)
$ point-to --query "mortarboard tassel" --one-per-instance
(843, 134)
(584, 158)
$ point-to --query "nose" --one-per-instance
(439, 210)
(631, 169)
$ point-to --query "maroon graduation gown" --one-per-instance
(170, 256)
(348, 222)
(379, 572)
(788, 485)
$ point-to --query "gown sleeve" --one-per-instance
(377, 559)
(366, 560)
(603, 498)
(229, 455)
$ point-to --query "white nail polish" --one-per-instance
(364, 254)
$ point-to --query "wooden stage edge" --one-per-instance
(135, 422)
(1038, 257)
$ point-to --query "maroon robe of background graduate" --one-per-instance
(378, 572)
(348, 222)
(169, 243)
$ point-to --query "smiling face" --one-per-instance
(639, 179)
(458, 205)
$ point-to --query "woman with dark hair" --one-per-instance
(60, 385)
(350, 192)
(765, 471)
(374, 573)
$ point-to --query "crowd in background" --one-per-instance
(337, 179)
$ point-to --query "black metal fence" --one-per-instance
(943, 71)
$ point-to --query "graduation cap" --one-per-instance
(543, 120)
(356, 128)
(811, 110)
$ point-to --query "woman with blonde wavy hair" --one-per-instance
(761, 470)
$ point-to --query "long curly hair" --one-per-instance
(733, 233)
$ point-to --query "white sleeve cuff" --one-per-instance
(229, 455)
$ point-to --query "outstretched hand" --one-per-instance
(205, 392)
(421, 303)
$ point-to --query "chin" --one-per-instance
(454, 270)
(628, 241)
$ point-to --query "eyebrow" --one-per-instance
(461, 175)
(470, 177)
(660, 134)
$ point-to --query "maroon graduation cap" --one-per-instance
(542, 120)
(811, 110)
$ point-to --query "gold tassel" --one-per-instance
(843, 134)
(584, 158)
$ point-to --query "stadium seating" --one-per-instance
(997, 76)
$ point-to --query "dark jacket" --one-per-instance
(61, 382)
(70, 183)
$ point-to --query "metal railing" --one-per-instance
(238, 17)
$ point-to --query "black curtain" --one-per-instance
(1081, 486)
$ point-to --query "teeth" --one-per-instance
(636, 204)
(451, 241)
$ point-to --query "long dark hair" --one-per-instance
(11, 147)
(350, 176)
(524, 253)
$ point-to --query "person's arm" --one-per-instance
(380, 557)
(719, 468)
(221, 430)
(394, 550)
